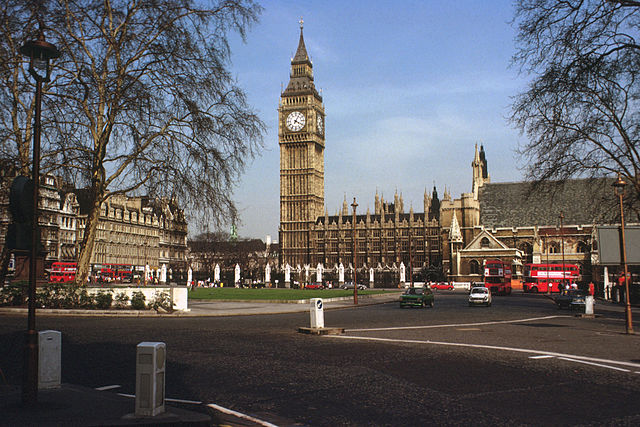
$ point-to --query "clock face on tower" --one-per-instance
(320, 124)
(295, 121)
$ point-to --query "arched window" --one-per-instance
(554, 248)
(474, 267)
(582, 247)
(484, 242)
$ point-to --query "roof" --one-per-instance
(301, 53)
(517, 204)
(363, 218)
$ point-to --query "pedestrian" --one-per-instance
(591, 289)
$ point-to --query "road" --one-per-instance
(521, 361)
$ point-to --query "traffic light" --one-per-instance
(21, 208)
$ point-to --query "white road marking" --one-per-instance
(542, 356)
(133, 396)
(167, 399)
(107, 387)
(454, 325)
(488, 347)
(594, 364)
(217, 408)
(240, 415)
(192, 402)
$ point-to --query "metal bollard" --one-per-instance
(588, 304)
(49, 359)
(150, 368)
(317, 314)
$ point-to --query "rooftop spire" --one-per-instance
(301, 54)
(301, 77)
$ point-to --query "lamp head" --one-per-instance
(618, 186)
(40, 52)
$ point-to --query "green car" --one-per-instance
(417, 297)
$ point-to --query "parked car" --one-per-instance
(573, 299)
(349, 285)
(416, 297)
(480, 295)
(443, 286)
(314, 286)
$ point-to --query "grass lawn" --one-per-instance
(272, 294)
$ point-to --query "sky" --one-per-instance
(409, 88)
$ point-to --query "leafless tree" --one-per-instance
(580, 111)
(142, 101)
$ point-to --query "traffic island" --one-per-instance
(317, 321)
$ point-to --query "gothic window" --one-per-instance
(583, 247)
(554, 248)
(484, 242)
(474, 266)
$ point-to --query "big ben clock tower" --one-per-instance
(301, 137)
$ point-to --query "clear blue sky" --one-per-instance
(409, 88)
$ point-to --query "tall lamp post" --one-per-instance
(618, 187)
(354, 205)
(564, 274)
(39, 52)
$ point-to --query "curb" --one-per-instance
(152, 313)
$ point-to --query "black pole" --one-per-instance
(354, 205)
(30, 373)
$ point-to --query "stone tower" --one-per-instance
(301, 137)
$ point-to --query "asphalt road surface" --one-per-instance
(521, 362)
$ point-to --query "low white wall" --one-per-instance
(178, 294)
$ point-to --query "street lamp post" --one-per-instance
(546, 247)
(354, 205)
(39, 52)
(618, 187)
(564, 275)
(410, 257)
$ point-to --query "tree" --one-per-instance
(142, 101)
(580, 112)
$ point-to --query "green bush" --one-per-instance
(14, 293)
(137, 301)
(121, 300)
(103, 300)
(85, 300)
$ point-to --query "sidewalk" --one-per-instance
(72, 405)
(215, 308)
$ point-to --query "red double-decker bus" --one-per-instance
(549, 277)
(497, 276)
(114, 272)
(62, 272)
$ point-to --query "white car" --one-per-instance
(480, 295)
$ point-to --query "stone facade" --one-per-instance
(132, 230)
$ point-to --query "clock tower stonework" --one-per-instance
(301, 138)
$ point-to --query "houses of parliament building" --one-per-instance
(310, 236)
(451, 238)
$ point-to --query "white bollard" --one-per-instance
(317, 313)
(49, 359)
(150, 368)
(588, 304)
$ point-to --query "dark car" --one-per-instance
(349, 285)
(573, 299)
(417, 297)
